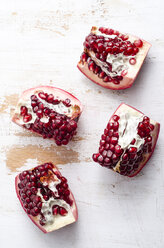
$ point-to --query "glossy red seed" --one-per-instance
(27, 118)
(23, 110)
(114, 140)
(42, 95)
(138, 43)
(62, 211)
(132, 150)
(95, 157)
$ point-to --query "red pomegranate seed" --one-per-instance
(23, 111)
(114, 140)
(55, 209)
(84, 57)
(138, 43)
(62, 211)
(50, 98)
(42, 95)
(95, 157)
(27, 118)
(132, 150)
(133, 142)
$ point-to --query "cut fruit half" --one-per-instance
(112, 59)
(50, 112)
(46, 198)
(128, 141)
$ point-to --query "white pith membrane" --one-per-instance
(59, 108)
(54, 222)
(128, 123)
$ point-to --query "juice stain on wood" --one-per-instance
(9, 102)
(17, 156)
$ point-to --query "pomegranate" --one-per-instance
(46, 198)
(51, 112)
(112, 59)
(128, 141)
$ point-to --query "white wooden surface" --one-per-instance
(40, 43)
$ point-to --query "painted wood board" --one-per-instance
(40, 44)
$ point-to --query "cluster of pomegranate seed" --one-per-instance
(144, 131)
(110, 152)
(59, 127)
(32, 180)
(50, 99)
(24, 113)
(102, 46)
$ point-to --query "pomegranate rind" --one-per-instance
(129, 78)
(61, 93)
(74, 209)
(155, 133)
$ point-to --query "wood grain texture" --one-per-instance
(40, 44)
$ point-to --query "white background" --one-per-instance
(40, 44)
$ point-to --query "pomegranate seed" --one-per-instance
(50, 98)
(42, 95)
(102, 74)
(62, 211)
(95, 157)
(133, 142)
(23, 111)
(27, 118)
(114, 140)
(138, 43)
(55, 210)
(132, 150)
(151, 127)
(118, 149)
(84, 57)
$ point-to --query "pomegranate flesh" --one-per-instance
(112, 59)
(50, 112)
(46, 198)
(128, 141)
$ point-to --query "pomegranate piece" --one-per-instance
(50, 112)
(46, 198)
(112, 59)
(128, 141)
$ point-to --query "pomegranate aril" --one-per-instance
(95, 157)
(24, 110)
(62, 211)
(42, 95)
(55, 210)
(114, 140)
(27, 118)
(138, 43)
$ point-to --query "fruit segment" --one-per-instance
(128, 141)
(50, 112)
(112, 59)
(46, 198)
